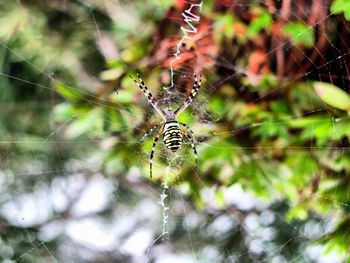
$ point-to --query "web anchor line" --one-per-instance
(189, 18)
(163, 199)
(163, 196)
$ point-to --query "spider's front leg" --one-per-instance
(142, 85)
(193, 93)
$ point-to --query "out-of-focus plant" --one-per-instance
(341, 6)
(333, 96)
(278, 145)
(261, 126)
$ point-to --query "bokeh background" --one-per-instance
(271, 123)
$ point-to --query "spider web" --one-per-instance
(75, 211)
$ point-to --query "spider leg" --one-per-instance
(189, 130)
(149, 133)
(190, 138)
(193, 93)
(149, 95)
(153, 147)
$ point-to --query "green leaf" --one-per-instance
(263, 21)
(224, 25)
(220, 198)
(300, 33)
(333, 95)
(63, 112)
(70, 93)
(217, 107)
(341, 6)
(84, 124)
(297, 212)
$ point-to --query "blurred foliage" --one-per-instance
(263, 128)
(328, 92)
(300, 34)
(341, 6)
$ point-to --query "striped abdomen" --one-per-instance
(172, 136)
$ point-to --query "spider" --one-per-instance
(173, 135)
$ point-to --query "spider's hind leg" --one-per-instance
(190, 132)
(190, 137)
(149, 133)
(153, 149)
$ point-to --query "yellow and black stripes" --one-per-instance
(173, 138)
(172, 135)
(193, 93)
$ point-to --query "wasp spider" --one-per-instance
(170, 130)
